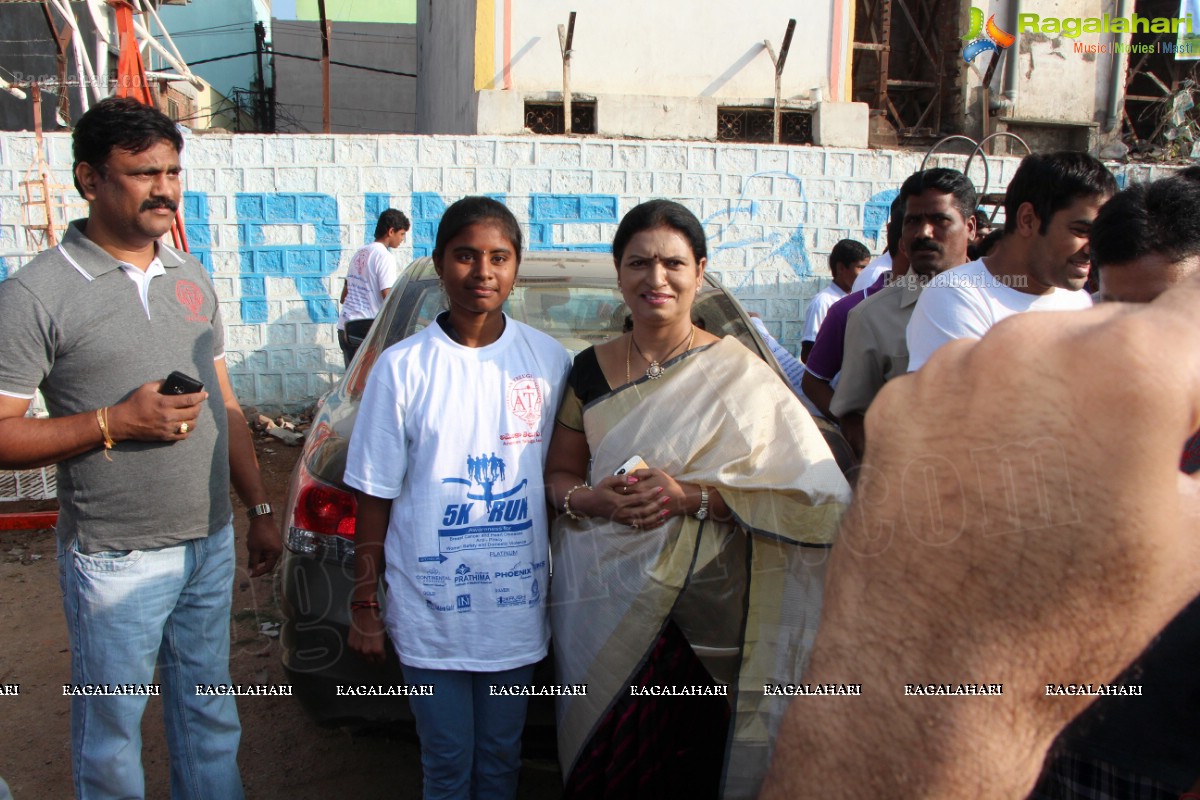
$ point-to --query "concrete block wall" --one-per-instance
(276, 218)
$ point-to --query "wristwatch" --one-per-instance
(702, 511)
(260, 510)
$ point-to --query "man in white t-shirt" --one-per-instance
(846, 260)
(875, 267)
(1041, 264)
(370, 277)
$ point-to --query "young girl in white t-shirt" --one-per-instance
(447, 456)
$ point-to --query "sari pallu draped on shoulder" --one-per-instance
(745, 592)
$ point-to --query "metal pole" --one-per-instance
(260, 104)
(987, 97)
(783, 52)
(778, 61)
(885, 39)
(325, 33)
(61, 41)
(565, 37)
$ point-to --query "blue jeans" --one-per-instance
(127, 611)
(470, 740)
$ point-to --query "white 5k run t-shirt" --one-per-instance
(457, 437)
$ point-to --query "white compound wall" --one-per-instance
(276, 219)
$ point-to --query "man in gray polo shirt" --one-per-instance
(145, 533)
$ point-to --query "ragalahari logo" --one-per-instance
(981, 38)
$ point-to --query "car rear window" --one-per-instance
(578, 315)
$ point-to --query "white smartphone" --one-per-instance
(632, 465)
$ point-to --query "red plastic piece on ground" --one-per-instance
(31, 521)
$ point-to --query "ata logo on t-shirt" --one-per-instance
(525, 400)
(190, 297)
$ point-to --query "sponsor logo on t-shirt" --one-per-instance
(464, 575)
(525, 402)
(190, 297)
(427, 578)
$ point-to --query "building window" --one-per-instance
(756, 125)
(172, 109)
(547, 118)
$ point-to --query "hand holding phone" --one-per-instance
(632, 465)
(179, 383)
(157, 410)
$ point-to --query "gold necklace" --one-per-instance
(655, 370)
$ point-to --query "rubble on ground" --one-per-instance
(287, 428)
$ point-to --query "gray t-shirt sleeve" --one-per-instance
(218, 327)
(27, 336)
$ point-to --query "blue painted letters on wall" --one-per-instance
(307, 263)
(309, 252)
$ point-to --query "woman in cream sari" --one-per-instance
(687, 584)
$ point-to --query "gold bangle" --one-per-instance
(102, 421)
(567, 501)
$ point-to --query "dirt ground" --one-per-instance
(283, 753)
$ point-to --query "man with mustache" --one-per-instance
(938, 222)
(145, 530)
(1041, 264)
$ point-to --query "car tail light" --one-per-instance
(324, 509)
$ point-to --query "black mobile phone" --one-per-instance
(178, 383)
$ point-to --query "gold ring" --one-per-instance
(183, 428)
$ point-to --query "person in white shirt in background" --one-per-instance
(372, 272)
(875, 267)
(824, 365)
(879, 264)
(793, 370)
(1041, 264)
(846, 261)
